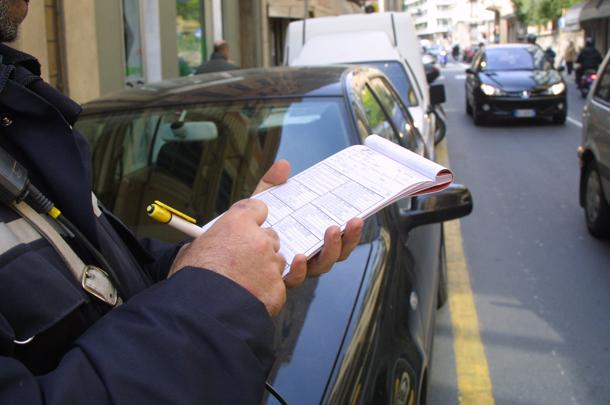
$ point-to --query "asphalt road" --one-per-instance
(540, 282)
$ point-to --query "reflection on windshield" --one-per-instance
(397, 75)
(201, 159)
(527, 58)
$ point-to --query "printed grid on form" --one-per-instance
(348, 184)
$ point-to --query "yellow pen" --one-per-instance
(174, 218)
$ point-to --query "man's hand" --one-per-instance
(336, 248)
(238, 248)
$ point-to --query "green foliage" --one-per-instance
(531, 12)
(520, 7)
(188, 9)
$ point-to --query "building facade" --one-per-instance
(88, 48)
(433, 19)
(463, 22)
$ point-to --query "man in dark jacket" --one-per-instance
(588, 58)
(219, 60)
(195, 324)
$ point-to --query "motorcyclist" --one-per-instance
(588, 58)
(455, 52)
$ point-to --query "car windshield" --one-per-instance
(526, 58)
(202, 158)
(397, 75)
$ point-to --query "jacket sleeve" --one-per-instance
(194, 338)
(163, 255)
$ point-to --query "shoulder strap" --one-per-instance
(93, 279)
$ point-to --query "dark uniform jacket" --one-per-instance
(194, 338)
(589, 58)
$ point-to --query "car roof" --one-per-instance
(346, 47)
(496, 47)
(322, 81)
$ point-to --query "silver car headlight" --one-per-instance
(556, 89)
(491, 90)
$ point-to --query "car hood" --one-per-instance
(519, 80)
(311, 328)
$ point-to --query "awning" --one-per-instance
(572, 17)
(295, 9)
(595, 9)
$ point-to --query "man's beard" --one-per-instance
(8, 28)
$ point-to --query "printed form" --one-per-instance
(354, 182)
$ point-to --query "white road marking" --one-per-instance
(459, 77)
(575, 122)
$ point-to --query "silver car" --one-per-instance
(594, 154)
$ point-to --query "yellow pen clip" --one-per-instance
(172, 211)
(158, 213)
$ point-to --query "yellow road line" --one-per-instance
(473, 379)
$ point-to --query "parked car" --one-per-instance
(387, 41)
(594, 154)
(514, 81)
(364, 331)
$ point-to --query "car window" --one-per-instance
(602, 92)
(521, 58)
(399, 78)
(202, 158)
(379, 123)
(407, 132)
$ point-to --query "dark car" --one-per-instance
(594, 155)
(363, 332)
(514, 81)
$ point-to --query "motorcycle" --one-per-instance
(587, 79)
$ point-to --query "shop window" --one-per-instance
(191, 35)
(134, 63)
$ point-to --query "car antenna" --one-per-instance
(305, 15)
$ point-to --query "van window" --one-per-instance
(603, 88)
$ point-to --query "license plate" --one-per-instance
(524, 113)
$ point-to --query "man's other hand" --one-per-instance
(336, 248)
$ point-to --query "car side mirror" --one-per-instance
(432, 73)
(453, 202)
(469, 71)
(437, 94)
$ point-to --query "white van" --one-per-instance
(386, 41)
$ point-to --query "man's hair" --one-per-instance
(8, 28)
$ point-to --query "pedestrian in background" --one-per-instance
(219, 60)
(569, 56)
